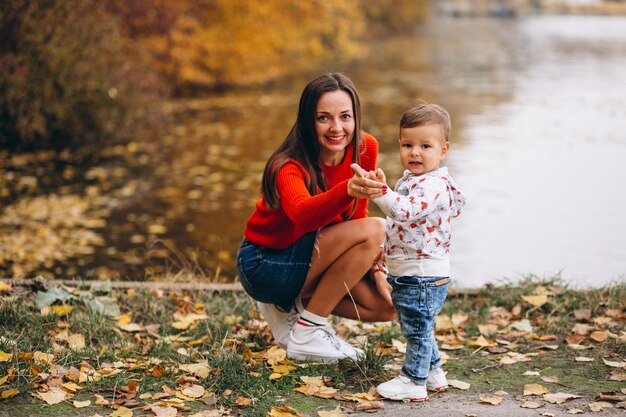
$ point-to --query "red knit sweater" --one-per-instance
(299, 212)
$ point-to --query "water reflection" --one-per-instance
(538, 110)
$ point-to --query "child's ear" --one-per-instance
(444, 150)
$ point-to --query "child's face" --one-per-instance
(422, 148)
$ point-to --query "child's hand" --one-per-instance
(378, 175)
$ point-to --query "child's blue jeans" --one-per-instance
(418, 300)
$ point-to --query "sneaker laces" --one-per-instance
(331, 336)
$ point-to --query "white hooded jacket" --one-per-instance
(417, 235)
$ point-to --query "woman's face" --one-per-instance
(334, 125)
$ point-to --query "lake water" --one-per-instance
(538, 106)
(539, 141)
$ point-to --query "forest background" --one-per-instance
(85, 72)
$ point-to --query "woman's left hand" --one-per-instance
(362, 186)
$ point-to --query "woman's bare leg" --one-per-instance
(343, 256)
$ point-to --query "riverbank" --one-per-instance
(82, 351)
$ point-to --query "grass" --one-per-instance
(234, 338)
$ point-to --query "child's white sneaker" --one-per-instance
(279, 321)
(402, 388)
(436, 380)
(321, 344)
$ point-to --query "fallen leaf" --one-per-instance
(535, 300)
(43, 358)
(275, 375)
(76, 342)
(523, 326)
(559, 397)
(124, 319)
(62, 310)
(617, 376)
(122, 412)
(575, 411)
(531, 373)
(161, 411)
(581, 329)
(131, 327)
(458, 384)
(574, 339)
(582, 314)
(194, 391)
(5, 357)
(275, 355)
(534, 389)
(243, 401)
(531, 404)
(481, 342)
(459, 319)
(81, 404)
(584, 359)
(208, 413)
(101, 401)
(599, 336)
(400, 346)
(332, 413)
(53, 396)
(491, 399)
(71, 386)
(614, 364)
(8, 393)
(4, 287)
(284, 412)
(598, 406)
(551, 379)
(443, 323)
(487, 329)
(201, 370)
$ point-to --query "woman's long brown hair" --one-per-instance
(302, 143)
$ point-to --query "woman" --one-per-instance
(309, 249)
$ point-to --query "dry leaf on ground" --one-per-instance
(194, 391)
(491, 399)
(597, 406)
(284, 412)
(535, 389)
(122, 412)
(531, 404)
(332, 413)
(459, 384)
(559, 397)
(167, 411)
(54, 396)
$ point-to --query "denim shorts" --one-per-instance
(275, 276)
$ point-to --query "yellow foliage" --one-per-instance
(226, 42)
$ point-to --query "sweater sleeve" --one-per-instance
(423, 199)
(306, 211)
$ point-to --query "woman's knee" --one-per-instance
(372, 229)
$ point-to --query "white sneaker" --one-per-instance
(280, 322)
(402, 388)
(436, 380)
(323, 345)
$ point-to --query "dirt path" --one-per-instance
(458, 404)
